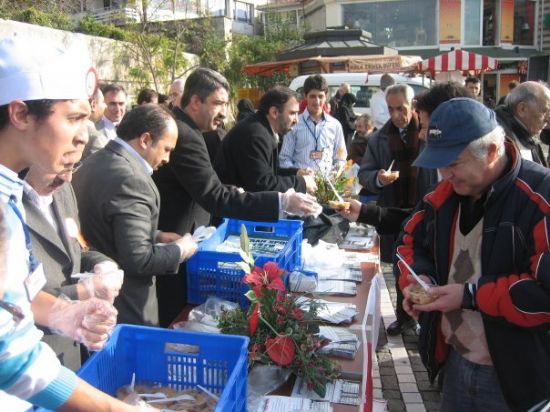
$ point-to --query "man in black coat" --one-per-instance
(249, 156)
(523, 117)
(188, 184)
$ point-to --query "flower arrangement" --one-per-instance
(341, 181)
(282, 331)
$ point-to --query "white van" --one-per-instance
(363, 86)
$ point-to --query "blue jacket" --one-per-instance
(513, 293)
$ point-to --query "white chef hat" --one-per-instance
(33, 70)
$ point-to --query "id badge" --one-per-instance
(316, 155)
(34, 282)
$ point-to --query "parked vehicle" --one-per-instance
(363, 86)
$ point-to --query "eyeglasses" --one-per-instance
(73, 168)
(15, 311)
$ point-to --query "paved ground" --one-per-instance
(400, 379)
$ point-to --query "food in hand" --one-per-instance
(338, 205)
(392, 176)
(418, 295)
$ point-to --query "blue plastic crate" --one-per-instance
(213, 273)
(217, 362)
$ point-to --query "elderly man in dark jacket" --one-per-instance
(249, 157)
(523, 116)
(397, 144)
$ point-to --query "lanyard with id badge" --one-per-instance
(35, 280)
(315, 154)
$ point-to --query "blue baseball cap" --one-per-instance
(453, 126)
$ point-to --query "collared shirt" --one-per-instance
(43, 203)
(29, 368)
(134, 153)
(110, 128)
(306, 137)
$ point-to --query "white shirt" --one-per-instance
(110, 128)
(135, 154)
(43, 203)
(379, 109)
(325, 136)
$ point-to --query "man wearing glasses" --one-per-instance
(54, 227)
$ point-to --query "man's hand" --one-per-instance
(89, 322)
(167, 237)
(447, 298)
(105, 284)
(311, 185)
(187, 245)
(305, 172)
(299, 204)
(351, 214)
(408, 305)
(385, 178)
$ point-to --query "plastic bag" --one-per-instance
(262, 380)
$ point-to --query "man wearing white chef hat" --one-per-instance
(43, 109)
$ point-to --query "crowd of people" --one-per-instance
(81, 251)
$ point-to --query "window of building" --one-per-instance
(490, 25)
(243, 11)
(401, 23)
(524, 22)
(472, 22)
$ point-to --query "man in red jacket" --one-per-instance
(481, 236)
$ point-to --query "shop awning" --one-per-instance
(350, 64)
(458, 60)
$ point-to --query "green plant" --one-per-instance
(281, 330)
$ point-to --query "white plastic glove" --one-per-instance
(187, 245)
(299, 204)
(89, 322)
(106, 282)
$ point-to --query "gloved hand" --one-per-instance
(187, 245)
(106, 282)
(300, 204)
(89, 322)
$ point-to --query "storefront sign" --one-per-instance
(449, 21)
(507, 22)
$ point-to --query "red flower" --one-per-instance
(280, 349)
(253, 321)
(272, 271)
(254, 277)
(298, 314)
(277, 284)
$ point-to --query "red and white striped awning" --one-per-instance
(458, 60)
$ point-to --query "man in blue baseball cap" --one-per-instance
(481, 238)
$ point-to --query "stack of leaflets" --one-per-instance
(332, 312)
(338, 391)
(336, 288)
(344, 344)
(261, 246)
(346, 274)
(288, 404)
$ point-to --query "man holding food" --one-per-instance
(481, 238)
(387, 171)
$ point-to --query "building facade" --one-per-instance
(508, 30)
(240, 15)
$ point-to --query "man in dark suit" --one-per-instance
(119, 205)
(189, 182)
(54, 227)
(249, 156)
